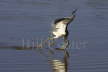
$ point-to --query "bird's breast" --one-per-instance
(61, 25)
(58, 34)
(60, 30)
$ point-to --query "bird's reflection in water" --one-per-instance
(60, 65)
(58, 58)
(59, 62)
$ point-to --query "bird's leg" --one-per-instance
(66, 43)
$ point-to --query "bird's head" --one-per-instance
(74, 11)
(73, 14)
(66, 21)
(71, 18)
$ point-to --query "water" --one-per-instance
(31, 19)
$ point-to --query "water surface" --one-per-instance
(31, 19)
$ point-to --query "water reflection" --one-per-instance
(58, 59)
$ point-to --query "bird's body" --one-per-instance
(60, 27)
(59, 30)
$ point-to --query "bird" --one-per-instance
(60, 26)
(60, 29)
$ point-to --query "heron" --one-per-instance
(60, 27)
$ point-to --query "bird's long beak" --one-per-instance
(74, 11)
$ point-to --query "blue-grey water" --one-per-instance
(31, 19)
